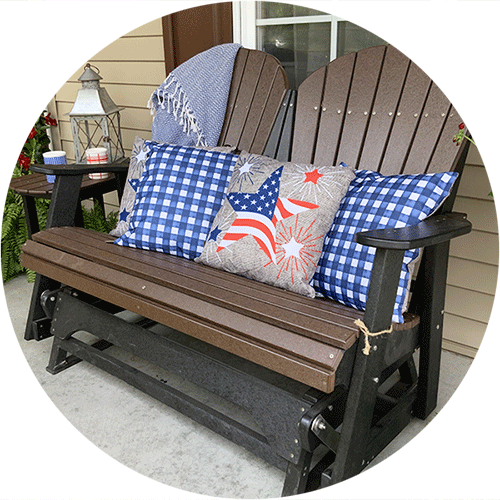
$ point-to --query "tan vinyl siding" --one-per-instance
(473, 266)
(132, 67)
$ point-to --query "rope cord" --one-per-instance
(359, 323)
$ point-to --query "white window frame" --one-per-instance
(245, 24)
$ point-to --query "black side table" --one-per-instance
(35, 185)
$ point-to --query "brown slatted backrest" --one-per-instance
(257, 90)
(376, 110)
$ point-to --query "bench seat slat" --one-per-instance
(330, 327)
(324, 309)
(298, 357)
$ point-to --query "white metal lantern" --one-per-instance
(95, 119)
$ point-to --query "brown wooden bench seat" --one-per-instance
(296, 336)
(296, 364)
(253, 320)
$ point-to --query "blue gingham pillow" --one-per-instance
(374, 201)
(177, 197)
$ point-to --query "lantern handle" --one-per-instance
(88, 65)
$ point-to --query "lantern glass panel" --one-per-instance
(97, 131)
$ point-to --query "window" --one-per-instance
(303, 39)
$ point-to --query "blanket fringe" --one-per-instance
(177, 104)
(359, 323)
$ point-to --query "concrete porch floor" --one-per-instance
(154, 440)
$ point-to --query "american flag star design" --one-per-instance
(258, 213)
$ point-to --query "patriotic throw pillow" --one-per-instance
(138, 158)
(177, 197)
(374, 201)
(274, 219)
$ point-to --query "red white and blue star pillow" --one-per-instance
(274, 219)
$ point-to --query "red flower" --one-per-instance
(461, 126)
(32, 133)
(50, 121)
(24, 161)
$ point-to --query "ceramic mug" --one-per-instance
(54, 158)
(96, 156)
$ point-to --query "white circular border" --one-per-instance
(453, 41)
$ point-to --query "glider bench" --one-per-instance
(310, 371)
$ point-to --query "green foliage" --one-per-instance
(14, 229)
(96, 219)
(15, 232)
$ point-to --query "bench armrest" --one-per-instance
(81, 168)
(431, 231)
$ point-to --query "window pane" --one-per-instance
(270, 10)
(351, 38)
(301, 48)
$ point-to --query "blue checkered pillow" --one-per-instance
(177, 198)
(374, 201)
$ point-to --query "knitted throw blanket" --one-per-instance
(190, 105)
